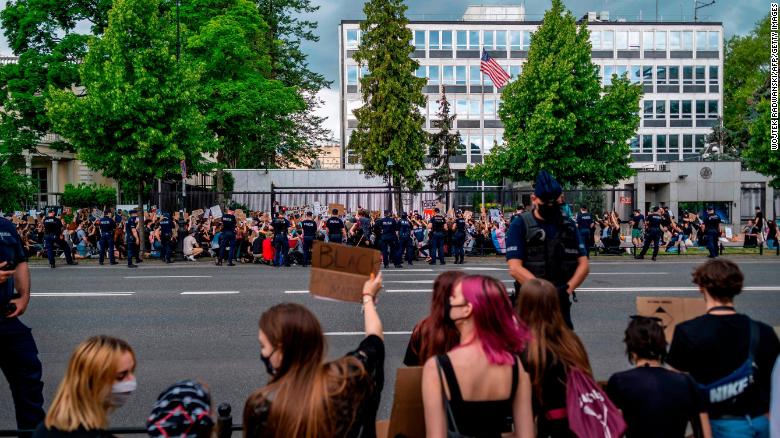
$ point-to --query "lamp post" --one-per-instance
(390, 184)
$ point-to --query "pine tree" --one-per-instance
(442, 146)
(556, 117)
(390, 126)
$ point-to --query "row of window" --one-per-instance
(521, 39)
(654, 40)
(465, 109)
(668, 143)
(680, 109)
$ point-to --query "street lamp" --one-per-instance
(390, 183)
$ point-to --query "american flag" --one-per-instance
(490, 67)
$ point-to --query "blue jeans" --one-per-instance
(747, 427)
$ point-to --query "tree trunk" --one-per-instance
(399, 207)
(142, 218)
(220, 180)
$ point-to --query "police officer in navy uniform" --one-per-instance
(653, 233)
(406, 243)
(459, 238)
(335, 228)
(544, 243)
(52, 229)
(18, 352)
(228, 238)
(131, 238)
(389, 240)
(437, 237)
(107, 227)
(712, 231)
(166, 237)
(281, 243)
(309, 228)
(585, 226)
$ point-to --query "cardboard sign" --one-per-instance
(495, 215)
(671, 310)
(216, 212)
(468, 214)
(429, 205)
(16, 220)
(407, 419)
(451, 213)
(198, 212)
(31, 220)
(339, 271)
(339, 207)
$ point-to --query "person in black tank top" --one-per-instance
(479, 388)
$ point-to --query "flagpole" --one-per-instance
(482, 122)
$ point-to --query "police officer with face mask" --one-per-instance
(131, 238)
(228, 238)
(281, 244)
(653, 233)
(712, 231)
(166, 236)
(52, 229)
(389, 240)
(18, 352)
(406, 243)
(335, 228)
(585, 227)
(437, 237)
(309, 234)
(459, 238)
(544, 243)
(107, 227)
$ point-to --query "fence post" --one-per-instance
(225, 420)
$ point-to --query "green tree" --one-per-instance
(246, 111)
(138, 115)
(557, 116)
(17, 187)
(389, 124)
(286, 31)
(443, 145)
(758, 154)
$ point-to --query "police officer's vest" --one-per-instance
(553, 259)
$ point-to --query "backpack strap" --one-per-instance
(754, 338)
(447, 408)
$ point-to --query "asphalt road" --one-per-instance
(196, 320)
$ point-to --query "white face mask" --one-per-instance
(121, 392)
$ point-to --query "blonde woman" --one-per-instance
(99, 379)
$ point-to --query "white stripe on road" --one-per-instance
(425, 281)
(296, 291)
(82, 294)
(628, 273)
(169, 276)
(212, 292)
(668, 289)
(402, 270)
(363, 333)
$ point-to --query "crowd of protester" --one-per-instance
(491, 367)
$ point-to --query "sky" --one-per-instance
(738, 18)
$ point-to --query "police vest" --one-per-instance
(553, 259)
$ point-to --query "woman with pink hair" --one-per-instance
(479, 388)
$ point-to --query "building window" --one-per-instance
(714, 40)
(674, 75)
(474, 75)
(660, 40)
(699, 75)
(476, 144)
(364, 71)
(352, 75)
(446, 40)
(40, 179)
(701, 110)
(449, 75)
(687, 40)
(713, 75)
(500, 40)
(621, 40)
(460, 75)
(595, 39)
(462, 40)
(462, 108)
(647, 75)
(687, 75)
(490, 109)
(647, 40)
(633, 40)
(700, 140)
(648, 109)
(419, 40)
(675, 42)
(420, 72)
(647, 144)
(526, 40)
(488, 143)
(515, 71)
(487, 38)
(712, 109)
(473, 39)
(707, 40)
(433, 39)
(688, 144)
(609, 70)
(433, 108)
(352, 39)
(636, 74)
(462, 145)
(674, 109)
(352, 105)
(633, 143)
(660, 144)
(475, 110)
(607, 40)
(433, 75)
(515, 38)
(687, 112)
(674, 144)
(660, 109)
(660, 75)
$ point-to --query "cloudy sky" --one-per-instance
(738, 17)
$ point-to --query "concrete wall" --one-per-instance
(252, 180)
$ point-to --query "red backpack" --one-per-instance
(590, 412)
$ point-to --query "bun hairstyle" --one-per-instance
(645, 339)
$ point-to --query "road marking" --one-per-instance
(212, 292)
(363, 333)
(668, 289)
(426, 281)
(395, 291)
(402, 270)
(296, 291)
(482, 269)
(628, 273)
(82, 294)
(168, 276)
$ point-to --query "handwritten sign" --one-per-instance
(339, 207)
(339, 271)
(670, 310)
(216, 212)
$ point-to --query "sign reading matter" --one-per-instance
(339, 271)
(671, 310)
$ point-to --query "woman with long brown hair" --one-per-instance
(435, 334)
(552, 351)
(99, 379)
(307, 397)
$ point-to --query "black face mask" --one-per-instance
(550, 212)
(269, 368)
(448, 307)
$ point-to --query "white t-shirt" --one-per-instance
(189, 244)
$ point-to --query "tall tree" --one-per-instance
(138, 115)
(286, 31)
(557, 116)
(389, 124)
(443, 145)
(758, 154)
(246, 111)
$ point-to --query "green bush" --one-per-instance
(88, 195)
